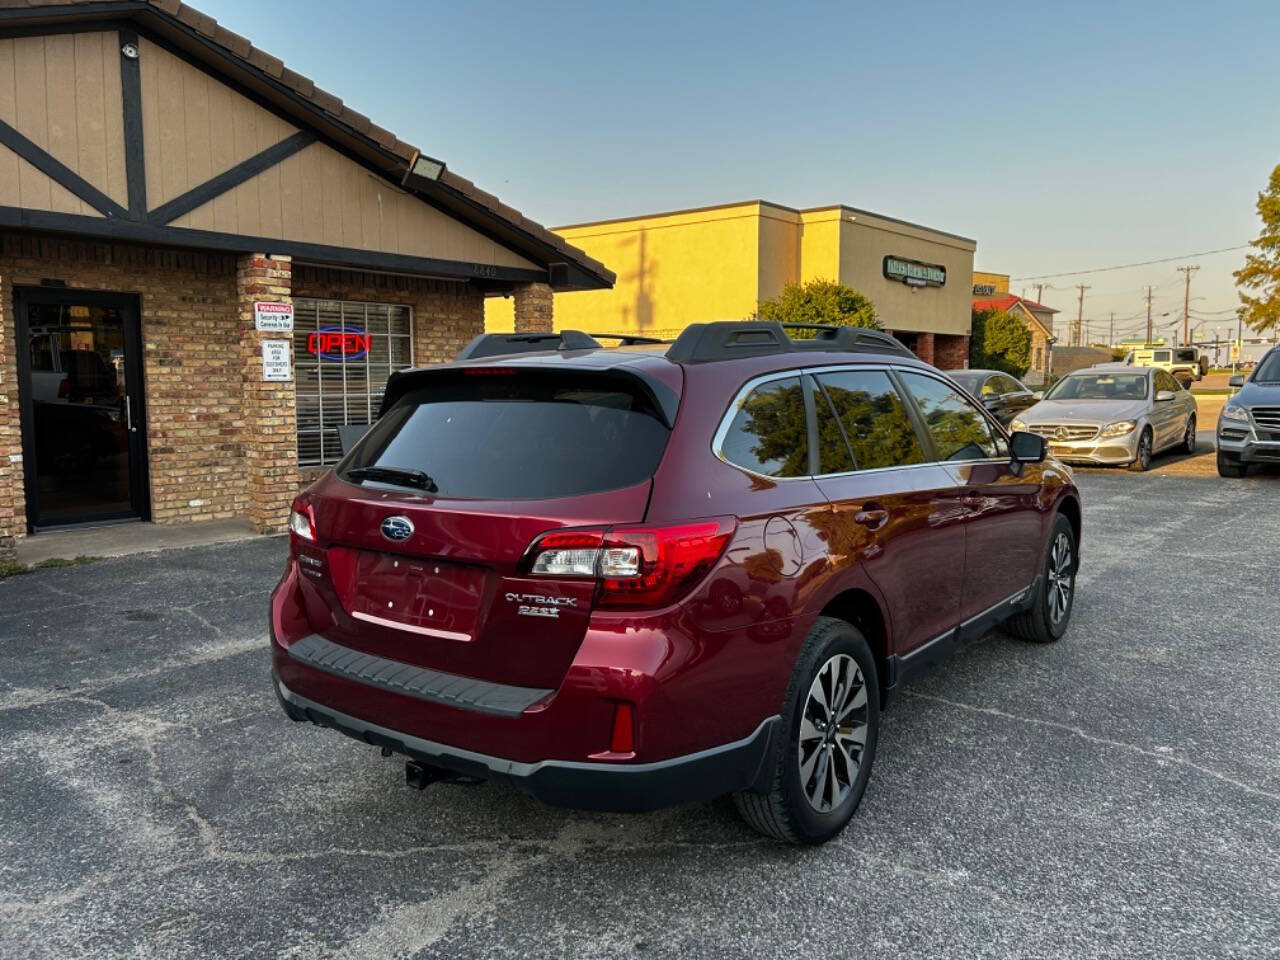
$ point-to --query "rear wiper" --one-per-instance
(398, 475)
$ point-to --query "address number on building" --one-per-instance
(276, 363)
(273, 317)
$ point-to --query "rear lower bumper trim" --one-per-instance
(742, 765)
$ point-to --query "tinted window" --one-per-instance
(769, 433)
(959, 430)
(874, 419)
(519, 436)
(1161, 356)
(1166, 381)
(1002, 384)
(1269, 370)
(833, 451)
(973, 382)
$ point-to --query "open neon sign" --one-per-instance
(335, 343)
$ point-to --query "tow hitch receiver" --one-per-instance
(422, 775)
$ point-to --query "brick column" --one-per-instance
(13, 510)
(533, 308)
(924, 347)
(270, 430)
(951, 351)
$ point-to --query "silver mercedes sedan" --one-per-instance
(1114, 415)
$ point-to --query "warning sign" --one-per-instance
(273, 317)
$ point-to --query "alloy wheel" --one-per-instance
(1061, 578)
(1190, 440)
(833, 733)
(1144, 450)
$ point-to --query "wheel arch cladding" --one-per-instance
(861, 609)
(1070, 508)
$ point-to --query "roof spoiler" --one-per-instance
(505, 344)
(724, 340)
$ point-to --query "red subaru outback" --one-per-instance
(632, 577)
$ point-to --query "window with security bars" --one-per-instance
(343, 354)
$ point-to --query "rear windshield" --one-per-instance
(518, 434)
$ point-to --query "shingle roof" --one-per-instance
(331, 106)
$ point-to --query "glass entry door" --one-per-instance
(83, 431)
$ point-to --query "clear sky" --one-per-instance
(1060, 136)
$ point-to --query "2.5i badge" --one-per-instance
(536, 605)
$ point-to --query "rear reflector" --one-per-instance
(624, 738)
(637, 567)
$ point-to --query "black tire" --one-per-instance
(786, 812)
(1142, 462)
(1230, 467)
(1045, 622)
(1189, 441)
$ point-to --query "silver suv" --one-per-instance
(1249, 425)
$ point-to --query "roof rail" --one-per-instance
(726, 339)
(628, 339)
(504, 344)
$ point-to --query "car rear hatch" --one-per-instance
(423, 533)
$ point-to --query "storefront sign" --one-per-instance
(275, 360)
(337, 343)
(273, 317)
(913, 273)
(984, 289)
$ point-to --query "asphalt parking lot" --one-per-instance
(1114, 795)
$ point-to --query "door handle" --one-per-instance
(128, 414)
(872, 516)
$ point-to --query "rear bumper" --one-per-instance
(632, 787)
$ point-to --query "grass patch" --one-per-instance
(9, 568)
(53, 563)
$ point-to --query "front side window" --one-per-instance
(769, 434)
(1166, 381)
(958, 428)
(874, 418)
(1269, 370)
(343, 354)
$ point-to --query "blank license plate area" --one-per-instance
(423, 596)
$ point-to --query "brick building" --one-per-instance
(208, 265)
(991, 292)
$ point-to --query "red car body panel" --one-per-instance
(930, 546)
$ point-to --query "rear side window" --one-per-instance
(519, 434)
(874, 418)
(769, 434)
(958, 428)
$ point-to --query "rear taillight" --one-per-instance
(302, 523)
(636, 567)
(64, 388)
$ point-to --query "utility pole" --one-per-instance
(1186, 306)
(1111, 331)
(1040, 292)
(1080, 314)
(1148, 315)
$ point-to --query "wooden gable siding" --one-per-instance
(195, 128)
(320, 196)
(63, 93)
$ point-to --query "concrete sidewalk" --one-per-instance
(122, 539)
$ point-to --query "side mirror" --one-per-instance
(1027, 447)
(1164, 396)
(1237, 381)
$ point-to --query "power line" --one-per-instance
(1126, 266)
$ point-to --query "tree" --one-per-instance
(1261, 270)
(820, 301)
(999, 341)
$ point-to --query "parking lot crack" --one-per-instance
(1101, 741)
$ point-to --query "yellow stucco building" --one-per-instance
(718, 263)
